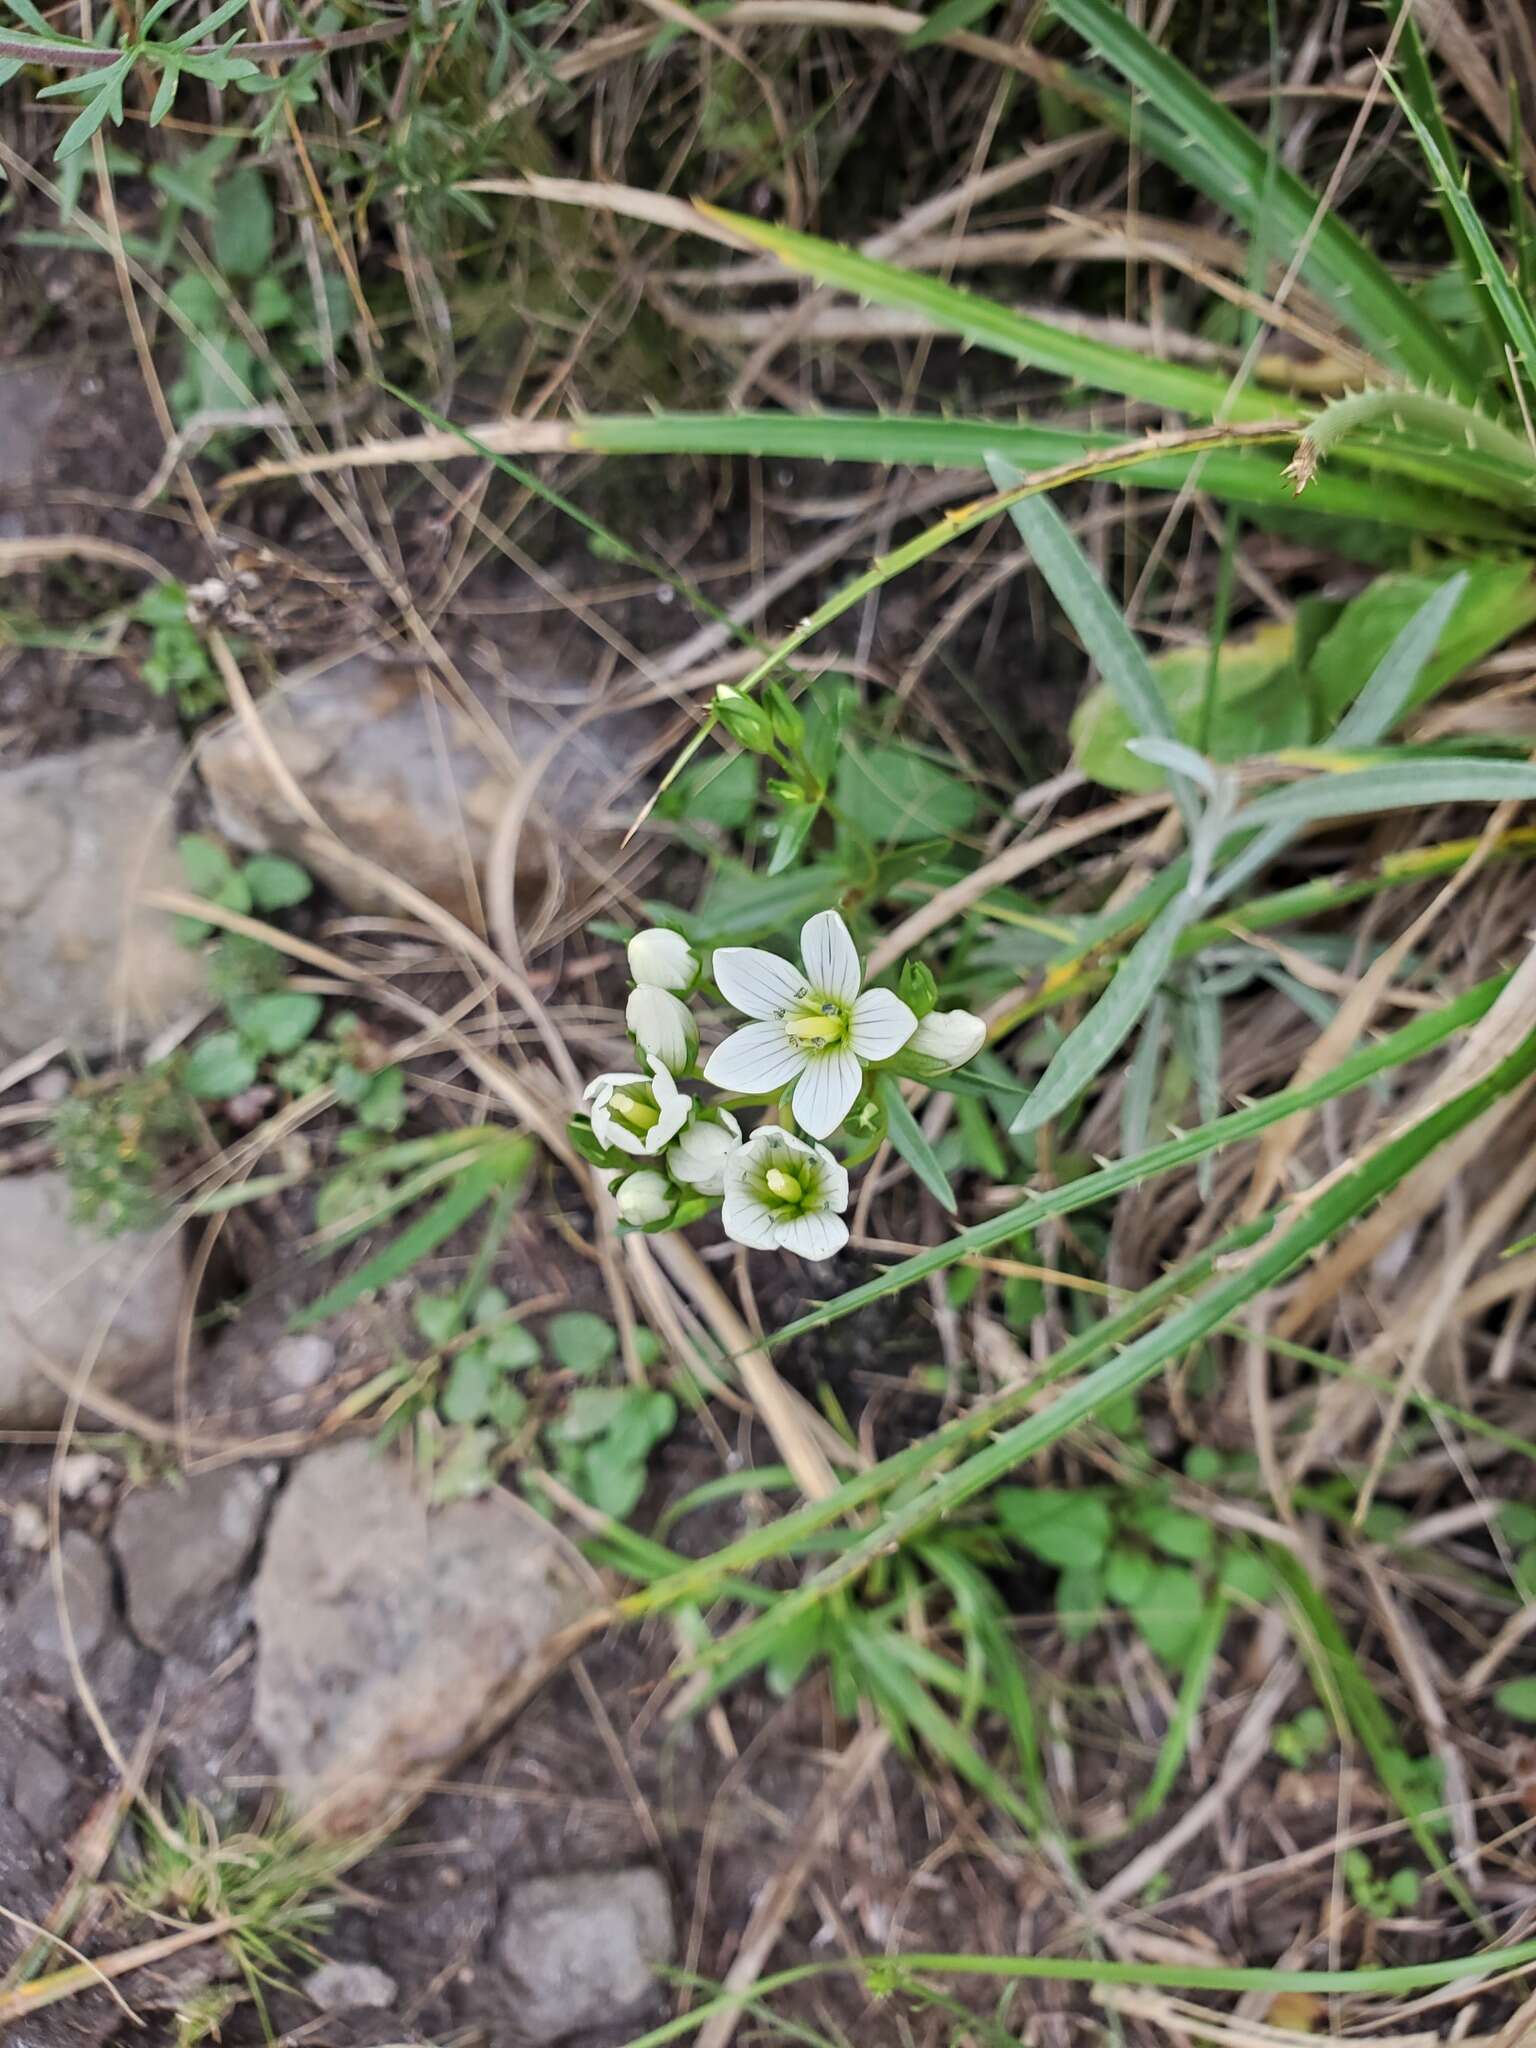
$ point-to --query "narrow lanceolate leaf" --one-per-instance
(1111, 1020)
(906, 1135)
(1358, 791)
(1238, 475)
(1273, 1261)
(1096, 618)
(1514, 315)
(987, 324)
(1390, 690)
(1203, 141)
(1414, 1039)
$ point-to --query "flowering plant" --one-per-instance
(822, 1054)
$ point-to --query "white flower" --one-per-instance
(784, 1195)
(699, 1156)
(663, 1028)
(637, 1115)
(813, 1025)
(662, 959)
(949, 1036)
(644, 1197)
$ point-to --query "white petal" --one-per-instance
(662, 1027)
(755, 1060)
(749, 1221)
(816, 1236)
(882, 1024)
(953, 1036)
(662, 959)
(830, 958)
(825, 1092)
(758, 984)
(611, 1132)
(832, 1180)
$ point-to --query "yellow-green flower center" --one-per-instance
(784, 1185)
(640, 1116)
(819, 1028)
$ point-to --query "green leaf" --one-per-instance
(1517, 1521)
(589, 1413)
(1127, 1574)
(218, 1067)
(467, 1396)
(1177, 1534)
(276, 883)
(105, 88)
(1206, 143)
(509, 1405)
(271, 303)
(720, 791)
(207, 867)
(1517, 1698)
(612, 1480)
(986, 324)
(512, 1348)
(1260, 704)
(1071, 1530)
(1497, 601)
(438, 1318)
(1112, 1019)
(581, 1342)
(243, 226)
(947, 18)
(1169, 1612)
(1247, 1577)
(381, 1106)
(906, 1135)
(1079, 1601)
(894, 796)
(276, 1023)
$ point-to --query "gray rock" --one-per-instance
(341, 1987)
(180, 1547)
(87, 1596)
(40, 1789)
(81, 836)
(57, 1282)
(30, 401)
(391, 1639)
(582, 1949)
(412, 789)
(302, 1362)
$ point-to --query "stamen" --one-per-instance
(815, 1030)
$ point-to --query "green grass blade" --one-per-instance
(1514, 315)
(1336, 1670)
(1242, 478)
(1273, 1261)
(503, 1168)
(906, 1135)
(1112, 1019)
(887, 1975)
(983, 322)
(1417, 1037)
(1206, 143)
(1390, 689)
(1192, 1689)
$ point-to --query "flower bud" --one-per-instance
(663, 1028)
(951, 1037)
(662, 959)
(644, 1198)
(788, 725)
(744, 719)
(698, 1158)
(917, 987)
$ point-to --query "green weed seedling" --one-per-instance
(1384, 1898)
(1132, 1549)
(178, 664)
(1304, 1741)
(115, 1146)
(495, 1391)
